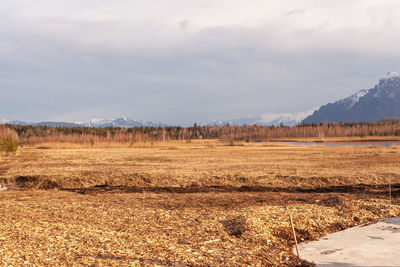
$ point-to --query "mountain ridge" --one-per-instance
(374, 104)
(268, 119)
(122, 122)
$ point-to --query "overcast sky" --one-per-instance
(194, 60)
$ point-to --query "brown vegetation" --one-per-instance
(203, 163)
(40, 134)
(8, 140)
(182, 203)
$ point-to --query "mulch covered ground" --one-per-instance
(118, 226)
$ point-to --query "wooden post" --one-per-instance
(294, 234)
(390, 191)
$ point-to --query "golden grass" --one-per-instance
(204, 163)
(100, 227)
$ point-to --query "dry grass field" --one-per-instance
(204, 203)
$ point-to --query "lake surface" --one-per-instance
(333, 144)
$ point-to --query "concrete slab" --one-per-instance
(372, 245)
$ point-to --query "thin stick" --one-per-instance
(294, 234)
(390, 192)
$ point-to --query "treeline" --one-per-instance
(40, 134)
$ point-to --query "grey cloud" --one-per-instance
(74, 69)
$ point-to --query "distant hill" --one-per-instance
(55, 124)
(268, 119)
(382, 101)
(122, 122)
(96, 123)
(287, 119)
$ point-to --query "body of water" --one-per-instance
(333, 144)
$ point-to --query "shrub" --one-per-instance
(48, 184)
(8, 144)
(27, 181)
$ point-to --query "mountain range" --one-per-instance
(268, 119)
(95, 123)
(288, 119)
(379, 102)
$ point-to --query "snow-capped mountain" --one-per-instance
(119, 122)
(382, 101)
(268, 119)
(4, 121)
(353, 99)
(122, 122)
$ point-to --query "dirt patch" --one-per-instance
(43, 147)
(330, 201)
(35, 182)
(235, 227)
(333, 201)
(27, 181)
(48, 184)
